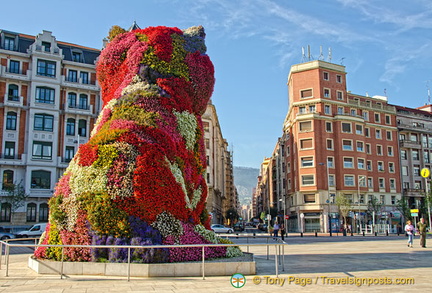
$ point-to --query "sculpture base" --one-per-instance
(224, 267)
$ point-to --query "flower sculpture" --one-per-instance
(139, 179)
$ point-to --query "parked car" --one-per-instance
(262, 227)
(239, 227)
(5, 235)
(35, 231)
(218, 228)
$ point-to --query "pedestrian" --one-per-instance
(282, 231)
(275, 230)
(409, 229)
(422, 227)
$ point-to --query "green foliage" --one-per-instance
(115, 31)
(374, 206)
(402, 207)
(344, 205)
(232, 214)
(16, 196)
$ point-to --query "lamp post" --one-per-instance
(360, 178)
(328, 199)
(284, 211)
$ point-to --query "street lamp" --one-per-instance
(360, 178)
(284, 211)
(328, 198)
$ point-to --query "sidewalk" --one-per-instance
(309, 267)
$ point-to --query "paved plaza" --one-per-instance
(311, 264)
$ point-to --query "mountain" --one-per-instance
(245, 179)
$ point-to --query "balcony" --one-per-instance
(412, 144)
(8, 72)
(6, 159)
(78, 109)
(79, 83)
(13, 101)
(417, 128)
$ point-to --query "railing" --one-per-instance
(279, 251)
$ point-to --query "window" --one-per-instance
(405, 170)
(369, 165)
(72, 100)
(414, 137)
(329, 144)
(331, 180)
(366, 115)
(393, 200)
(43, 212)
(348, 163)
(82, 127)
(379, 150)
(404, 154)
(13, 94)
(43, 122)
(305, 126)
(40, 179)
(330, 162)
(9, 44)
(76, 57)
(46, 68)
(70, 126)
(70, 152)
(353, 112)
(426, 157)
(381, 183)
(84, 77)
(346, 127)
(9, 152)
(391, 167)
(392, 184)
(302, 110)
(83, 102)
(359, 129)
(360, 146)
(11, 120)
(308, 179)
(417, 185)
(406, 185)
(377, 118)
(306, 143)
(389, 135)
(326, 93)
(339, 78)
(368, 148)
(329, 127)
(42, 150)
(362, 181)
(45, 95)
(327, 109)
(5, 212)
(390, 151)
(380, 166)
(47, 46)
(340, 110)
(360, 163)
(361, 198)
(367, 133)
(306, 93)
(312, 109)
(416, 170)
(415, 155)
(8, 179)
(326, 75)
(31, 212)
(349, 180)
(339, 95)
(370, 183)
(14, 66)
(307, 162)
(72, 76)
(378, 133)
(347, 145)
(382, 199)
(387, 119)
(309, 198)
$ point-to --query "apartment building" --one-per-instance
(222, 194)
(415, 136)
(49, 100)
(337, 144)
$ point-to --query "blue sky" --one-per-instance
(386, 46)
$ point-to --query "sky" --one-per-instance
(386, 47)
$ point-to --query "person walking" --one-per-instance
(409, 229)
(422, 227)
(275, 230)
(282, 232)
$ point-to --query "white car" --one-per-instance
(218, 228)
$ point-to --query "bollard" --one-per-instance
(316, 234)
(386, 233)
(376, 233)
(301, 234)
(363, 233)
(254, 235)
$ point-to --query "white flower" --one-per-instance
(187, 125)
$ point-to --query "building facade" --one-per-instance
(49, 100)
(338, 144)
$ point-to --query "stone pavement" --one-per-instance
(310, 266)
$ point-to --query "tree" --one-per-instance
(403, 208)
(232, 215)
(344, 205)
(428, 203)
(374, 209)
(16, 196)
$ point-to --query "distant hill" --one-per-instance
(245, 179)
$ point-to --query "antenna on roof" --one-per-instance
(321, 56)
(428, 91)
(303, 55)
(342, 60)
(309, 53)
(329, 58)
(385, 92)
